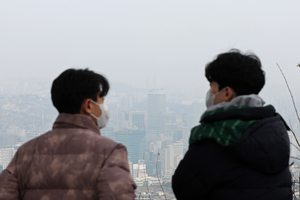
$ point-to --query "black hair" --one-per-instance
(73, 86)
(242, 72)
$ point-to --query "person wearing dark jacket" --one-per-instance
(241, 148)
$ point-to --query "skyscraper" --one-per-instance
(167, 161)
(164, 160)
(129, 119)
(134, 140)
(156, 105)
(138, 119)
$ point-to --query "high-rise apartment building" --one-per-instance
(6, 154)
(156, 105)
(167, 161)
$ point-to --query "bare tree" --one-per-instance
(298, 145)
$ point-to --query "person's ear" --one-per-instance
(86, 107)
(230, 94)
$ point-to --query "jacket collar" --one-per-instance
(240, 112)
(65, 120)
(251, 100)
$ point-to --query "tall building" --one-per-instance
(165, 118)
(198, 107)
(191, 117)
(167, 161)
(134, 140)
(156, 105)
(138, 119)
(177, 159)
(1, 168)
(171, 158)
(6, 154)
(127, 119)
(164, 160)
(177, 135)
(123, 120)
(178, 148)
(130, 167)
(139, 170)
(171, 129)
(151, 168)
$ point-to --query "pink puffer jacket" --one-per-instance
(70, 162)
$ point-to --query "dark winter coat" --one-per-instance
(252, 168)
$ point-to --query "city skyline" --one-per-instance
(154, 55)
(27, 112)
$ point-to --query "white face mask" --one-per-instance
(103, 119)
(210, 98)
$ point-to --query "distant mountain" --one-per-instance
(124, 88)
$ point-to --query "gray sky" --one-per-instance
(132, 40)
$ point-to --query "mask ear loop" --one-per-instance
(94, 102)
(220, 91)
(93, 115)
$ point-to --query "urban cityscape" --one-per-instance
(153, 124)
(168, 64)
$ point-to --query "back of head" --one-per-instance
(242, 72)
(73, 86)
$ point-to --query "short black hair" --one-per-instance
(73, 86)
(242, 72)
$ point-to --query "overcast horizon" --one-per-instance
(135, 42)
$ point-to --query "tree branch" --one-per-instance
(158, 177)
(290, 93)
(295, 157)
(295, 146)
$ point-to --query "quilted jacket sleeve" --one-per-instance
(115, 181)
(9, 187)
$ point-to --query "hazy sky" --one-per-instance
(131, 40)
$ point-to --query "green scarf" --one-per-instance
(225, 132)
